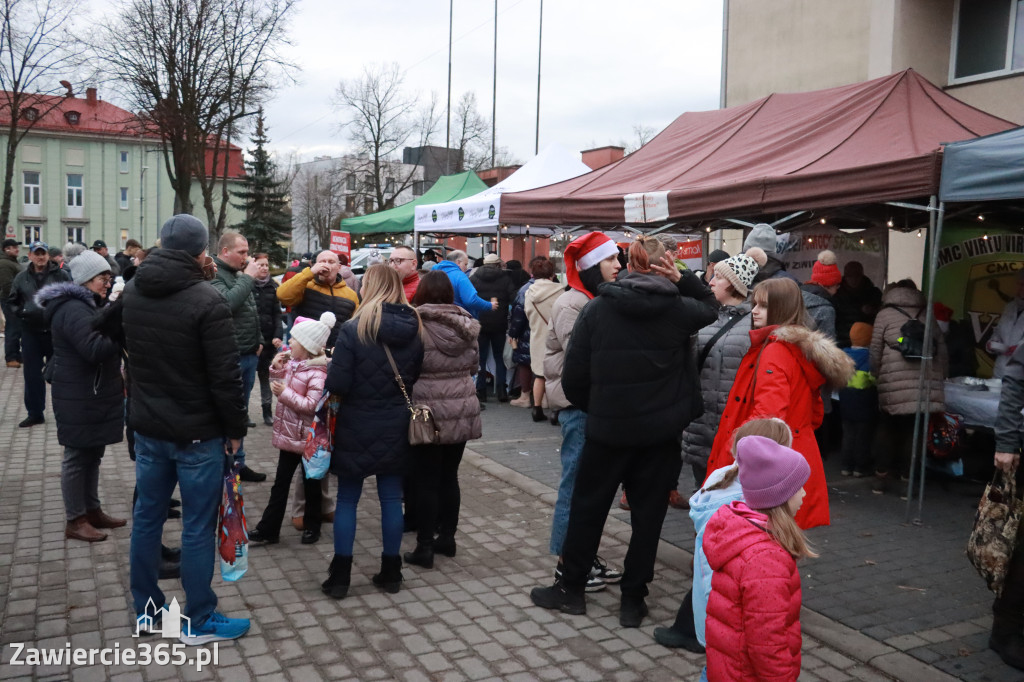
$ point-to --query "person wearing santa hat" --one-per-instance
(630, 367)
(590, 261)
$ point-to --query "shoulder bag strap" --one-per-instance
(398, 376)
(723, 330)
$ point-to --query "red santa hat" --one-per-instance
(586, 252)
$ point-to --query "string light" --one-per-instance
(822, 221)
(981, 218)
(707, 229)
(861, 241)
(890, 223)
(985, 237)
(810, 241)
(918, 232)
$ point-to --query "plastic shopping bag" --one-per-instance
(232, 532)
(316, 456)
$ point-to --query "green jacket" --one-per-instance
(9, 267)
(237, 288)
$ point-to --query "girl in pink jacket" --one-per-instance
(753, 614)
(298, 383)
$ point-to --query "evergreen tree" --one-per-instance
(265, 201)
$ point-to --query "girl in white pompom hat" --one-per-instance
(298, 383)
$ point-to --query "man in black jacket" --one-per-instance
(492, 283)
(189, 416)
(269, 309)
(36, 344)
(630, 367)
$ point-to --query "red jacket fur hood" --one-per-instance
(781, 376)
(753, 617)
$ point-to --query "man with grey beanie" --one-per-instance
(189, 416)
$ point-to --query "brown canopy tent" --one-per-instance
(856, 144)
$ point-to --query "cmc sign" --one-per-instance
(341, 243)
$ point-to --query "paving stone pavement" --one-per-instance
(468, 619)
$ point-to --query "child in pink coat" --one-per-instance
(298, 383)
(753, 614)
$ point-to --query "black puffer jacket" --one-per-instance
(630, 365)
(371, 436)
(24, 288)
(493, 282)
(88, 394)
(269, 309)
(186, 383)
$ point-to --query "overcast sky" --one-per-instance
(608, 66)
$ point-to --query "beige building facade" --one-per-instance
(975, 51)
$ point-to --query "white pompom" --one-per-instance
(329, 319)
(827, 258)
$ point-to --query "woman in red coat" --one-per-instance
(781, 376)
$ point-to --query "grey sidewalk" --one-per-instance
(470, 618)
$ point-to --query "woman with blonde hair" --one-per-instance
(781, 376)
(371, 432)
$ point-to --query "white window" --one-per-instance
(124, 198)
(124, 162)
(389, 186)
(31, 193)
(988, 39)
(350, 183)
(76, 195)
(76, 234)
(33, 233)
(124, 239)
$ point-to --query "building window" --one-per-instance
(76, 234)
(76, 195)
(33, 233)
(124, 162)
(350, 183)
(32, 190)
(419, 187)
(124, 198)
(124, 239)
(368, 205)
(350, 204)
(389, 186)
(988, 39)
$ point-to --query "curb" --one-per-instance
(863, 649)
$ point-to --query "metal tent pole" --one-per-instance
(936, 211)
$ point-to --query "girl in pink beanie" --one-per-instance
(753, 613)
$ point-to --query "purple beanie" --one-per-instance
(770, 473)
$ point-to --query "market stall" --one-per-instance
(400, 218)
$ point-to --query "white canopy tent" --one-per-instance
(481, 213)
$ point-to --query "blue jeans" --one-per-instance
(248, 362)
(389, 490)
(704, 675)
(574, 427)
(198, 470)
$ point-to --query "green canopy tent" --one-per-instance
(401, 218)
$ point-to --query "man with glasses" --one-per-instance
(36, 344)
(403, 260)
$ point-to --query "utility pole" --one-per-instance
(448, 128)
(494, 92)
(540, 44)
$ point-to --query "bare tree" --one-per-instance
(195, 69)
(471, 130)
(38, 47)
(318, 203)
(641, 135)
(381, 120)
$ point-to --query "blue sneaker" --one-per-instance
(217, 628)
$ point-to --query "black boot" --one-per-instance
(390, 576)
(502, 395)
(538, 414)
(268, 415)
(339, 576)
(1007, 641)
(445, 544)
(423, 556)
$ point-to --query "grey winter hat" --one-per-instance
(87, 265)
(764, 236)
(185, 233)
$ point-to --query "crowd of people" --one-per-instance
(643, 364)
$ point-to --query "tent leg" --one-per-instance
(920, 444)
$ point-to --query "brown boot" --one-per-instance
(81, 529)
(100, 520)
